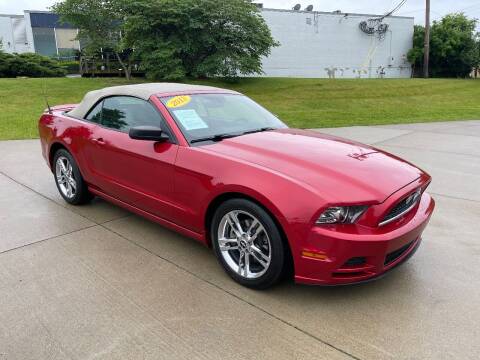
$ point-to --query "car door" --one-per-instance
(139, 173)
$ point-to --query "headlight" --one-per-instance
(341, 215)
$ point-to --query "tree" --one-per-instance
(196, 38)
(453, 46)
(477, 55)
(415, 55)
(100, 24)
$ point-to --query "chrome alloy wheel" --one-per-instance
(244, 244)
(65, 177)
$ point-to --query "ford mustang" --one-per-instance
(215, 166)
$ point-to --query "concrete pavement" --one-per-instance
(98, 282)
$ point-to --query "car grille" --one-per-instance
(394, 255)
(402, 208)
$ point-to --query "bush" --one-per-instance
(30, 65)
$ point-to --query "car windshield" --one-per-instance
(213, 117)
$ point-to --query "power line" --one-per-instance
(469, 7)
(375, 25)
(419, 10)
(367, 9)
(403, 2)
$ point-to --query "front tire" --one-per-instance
(248, 244)
(69, 180)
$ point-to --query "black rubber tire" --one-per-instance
(82, 196)
(276, 269)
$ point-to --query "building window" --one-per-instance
(66, 39)
(44, 40)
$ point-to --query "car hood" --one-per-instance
(336, 169)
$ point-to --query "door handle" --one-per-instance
(99, 141)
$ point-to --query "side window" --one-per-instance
(95, 115)
(124, 112)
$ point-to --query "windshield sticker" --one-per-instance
(190, 120)
(178, 101)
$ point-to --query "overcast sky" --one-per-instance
(412, 8)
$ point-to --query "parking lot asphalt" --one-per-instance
(97, 282)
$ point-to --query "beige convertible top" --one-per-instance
(142, 91)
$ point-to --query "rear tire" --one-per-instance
(248, 244)
(69, 180)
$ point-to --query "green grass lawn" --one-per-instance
(303, 103)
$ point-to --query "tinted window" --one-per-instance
(123, 112)
(95, 115)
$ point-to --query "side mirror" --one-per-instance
(148, 133)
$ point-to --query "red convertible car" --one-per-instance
(214, 165)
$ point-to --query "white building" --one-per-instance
(37, 31)
(318, 44)
(13, 34)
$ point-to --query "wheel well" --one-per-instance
(53, 149)
(213, 206)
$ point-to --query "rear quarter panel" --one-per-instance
(58, 129)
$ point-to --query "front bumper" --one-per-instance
(361, 255)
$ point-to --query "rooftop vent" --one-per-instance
(309, 8)
(297, 7)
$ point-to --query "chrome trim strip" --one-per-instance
(410, 208)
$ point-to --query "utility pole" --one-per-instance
(426, 56)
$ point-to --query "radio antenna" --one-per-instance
(45, 96)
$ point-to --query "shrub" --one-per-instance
(29, 64)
